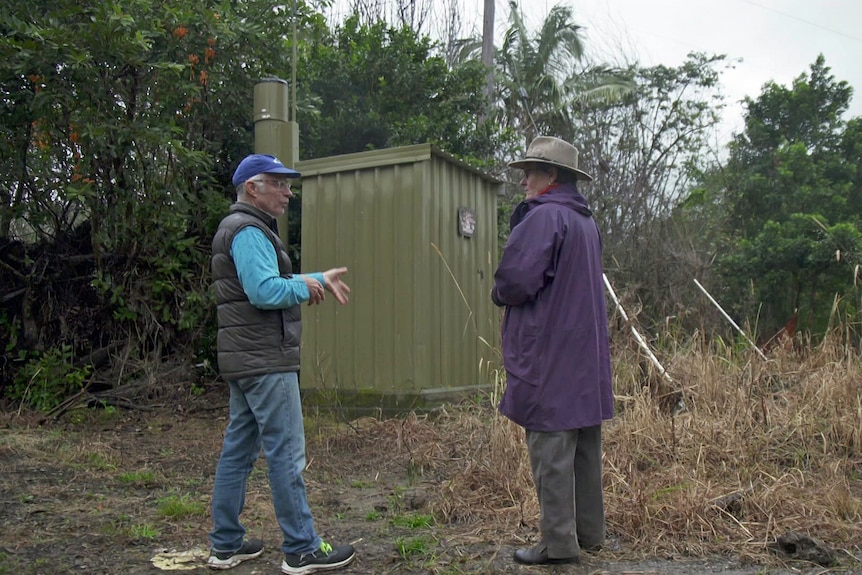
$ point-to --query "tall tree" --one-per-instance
(792, 201)
(123, 121)
(543, 78)
(789, 142)
(378, 86)
(645, 152)
(533, 68)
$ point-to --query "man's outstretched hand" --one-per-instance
(336, 285)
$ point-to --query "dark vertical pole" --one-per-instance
(488, 52)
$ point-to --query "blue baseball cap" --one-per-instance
(260, 164)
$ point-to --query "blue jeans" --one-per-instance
(264, 410)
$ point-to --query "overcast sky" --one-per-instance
(776, 39)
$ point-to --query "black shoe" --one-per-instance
(324, 559)
(228, 559)
(539, 556)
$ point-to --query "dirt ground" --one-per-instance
(88, 493)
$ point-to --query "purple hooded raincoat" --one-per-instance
(555, 328)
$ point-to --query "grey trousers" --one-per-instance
(567, 471)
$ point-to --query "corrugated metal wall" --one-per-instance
(411, 326)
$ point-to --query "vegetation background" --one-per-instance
(122, 122)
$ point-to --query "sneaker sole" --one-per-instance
(314, 567)
(233, 561)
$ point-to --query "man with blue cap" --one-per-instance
(258, 298)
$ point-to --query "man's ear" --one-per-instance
(553, 173)
(251, 189)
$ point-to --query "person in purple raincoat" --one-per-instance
(555, 349)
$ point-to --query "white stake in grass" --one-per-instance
(635, 332)
(733, 323)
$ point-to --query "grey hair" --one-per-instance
(240, 189)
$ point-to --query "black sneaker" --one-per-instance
(324, 559)
(227, 559)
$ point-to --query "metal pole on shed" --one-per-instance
(274, 132)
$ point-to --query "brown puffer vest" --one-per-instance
(251, 341)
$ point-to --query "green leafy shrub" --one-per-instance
(48, 378)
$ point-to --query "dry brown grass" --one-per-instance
(760, 449)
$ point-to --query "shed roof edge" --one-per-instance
(383, 157)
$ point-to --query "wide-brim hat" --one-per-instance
(553, 151)
(256, 164)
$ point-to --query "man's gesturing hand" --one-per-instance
(315, 290)
(335, 285)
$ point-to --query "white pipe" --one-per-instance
(733, 323)
(637, 335)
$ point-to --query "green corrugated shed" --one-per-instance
(420, 322)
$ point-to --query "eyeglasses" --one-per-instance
(280, 184)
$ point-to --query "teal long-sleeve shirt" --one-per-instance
(257, 268)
